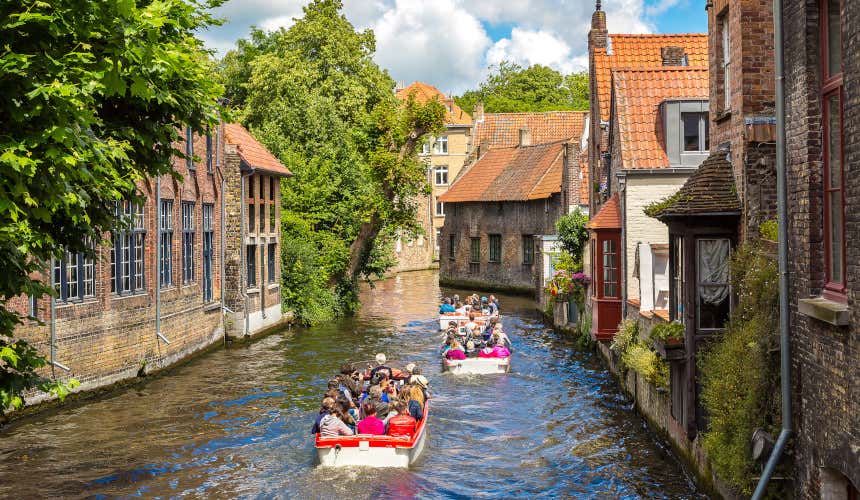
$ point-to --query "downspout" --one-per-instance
(782, 218)
(220, 157)
(622, 191)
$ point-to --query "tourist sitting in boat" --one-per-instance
(423, 384)
(449, 340)
(380, 366)
(447, 307)
(374, 397)
(503, 338)
(348, 379)
(471, 326)
(330, 425)
(494, 349)
(403, 424)
(456, 351)
(494, 305)
(413, 396)
(488, 332)
(461, 309)
(344, 411)
(370, 424)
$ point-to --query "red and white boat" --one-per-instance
(476, 366)
(372, 450)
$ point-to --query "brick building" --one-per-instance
(158, 290)
(444, 156)
(822, 97)
(658, 137)
(499, 207)
(607, 52)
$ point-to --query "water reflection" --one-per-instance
(235, 422)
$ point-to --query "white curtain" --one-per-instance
(713, 270)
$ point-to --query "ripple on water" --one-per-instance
(235, 423)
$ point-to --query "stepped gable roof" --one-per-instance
(637, 95)
(502, 129)
(511, 174)
(609, 215)
(709, 191)
(636, 51)
(424, 92)
(252, 152)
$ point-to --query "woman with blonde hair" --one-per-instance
(413, 396)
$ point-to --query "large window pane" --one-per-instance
(691, 130)
(712, 267)
(834, 42)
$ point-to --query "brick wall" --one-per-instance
(825, 358)
(511, 220)
(108, 337)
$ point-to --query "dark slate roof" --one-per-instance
(709, 191)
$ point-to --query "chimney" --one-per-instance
(399, 86)
(597, 35)
(449, 104)
(483, 147)
(525, 137)
(570, 178)
(478, 113)
(673, 56)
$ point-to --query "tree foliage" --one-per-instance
(315, 97)
(90, 100)
(572, 233)
(510, 88)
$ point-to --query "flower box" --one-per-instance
(670, 349)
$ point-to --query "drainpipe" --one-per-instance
(622, 191)
(244, 269)
(782, 218)
(158, 262)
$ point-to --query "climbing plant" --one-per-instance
(740, 372)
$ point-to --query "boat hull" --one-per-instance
(372, 451)
(477, 366)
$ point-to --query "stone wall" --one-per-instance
(825, 357)
(512, 220)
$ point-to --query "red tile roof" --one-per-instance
(584, 187)
(502, 129)
(609, 216)
(638, 94)
(424, 92)
(636, 51)
(252, 152)
(511, 174)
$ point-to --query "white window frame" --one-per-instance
(440, 208)
(727, 61)
(440, 146)
(439, 171)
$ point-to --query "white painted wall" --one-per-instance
(641, 191)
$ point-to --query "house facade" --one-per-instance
(608, 52)
(444, 156)
(499, 209)
(168, 284)
(659, 126)
(822, 100)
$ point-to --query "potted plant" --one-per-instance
(668, 339)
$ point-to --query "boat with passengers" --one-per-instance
(378, 417)
(469, 350)
(453, 312)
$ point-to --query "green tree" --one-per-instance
(572, 233)
(315, 97)
(91, 99)
(511, 88)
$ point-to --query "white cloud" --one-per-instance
(526, 47)
(444, 42)
(437, 42)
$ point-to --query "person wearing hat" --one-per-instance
(422, 383)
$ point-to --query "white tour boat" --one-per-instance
(476, 366)
(372, 450)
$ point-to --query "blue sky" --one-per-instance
(451, 43)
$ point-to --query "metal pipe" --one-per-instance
(53, 326)
(782, 220)
(158, 260)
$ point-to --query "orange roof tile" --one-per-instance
(636, 51)
(424, 92)
(502, 129)
(609, 216)
(252, 152)
(511, 174)
(584, 188)
(637, 95)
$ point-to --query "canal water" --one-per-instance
(235, 423)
